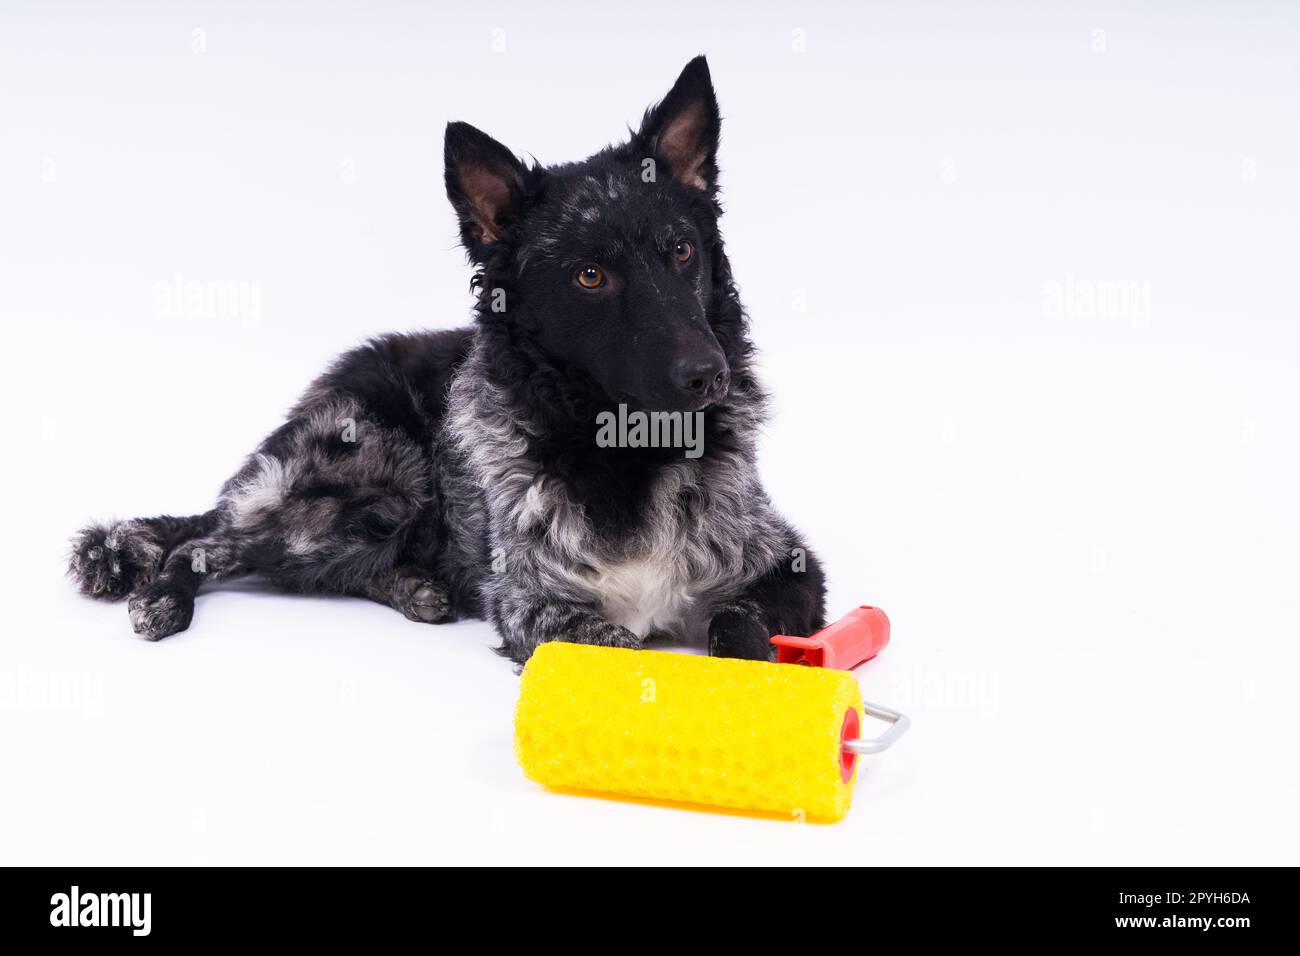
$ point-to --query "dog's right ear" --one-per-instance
(484, 183)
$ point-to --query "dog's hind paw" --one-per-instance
(422, 600)
(112, 561)
(160, 612)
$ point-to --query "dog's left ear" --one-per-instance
(484, 183)
(682, 131)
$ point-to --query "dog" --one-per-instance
(457, 473)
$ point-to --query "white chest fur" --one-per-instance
(643, 595)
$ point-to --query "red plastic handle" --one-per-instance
(854, 639)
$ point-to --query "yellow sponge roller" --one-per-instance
(743, 734)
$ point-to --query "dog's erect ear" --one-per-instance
(683, 130)
(484, 184)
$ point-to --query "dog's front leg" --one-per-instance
(524, 622)
(789, 599)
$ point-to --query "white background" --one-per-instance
(1082, 522)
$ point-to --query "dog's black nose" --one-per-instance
(701, 376)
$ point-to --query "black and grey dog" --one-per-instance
(458, 473)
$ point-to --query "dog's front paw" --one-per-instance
(740, 632)
(600, 632)
(564, 625)
(159, 612)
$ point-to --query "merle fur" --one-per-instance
(473, 485)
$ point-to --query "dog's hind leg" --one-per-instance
(112, 561)
(417, 593)
(166, 605)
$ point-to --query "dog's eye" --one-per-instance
(590, 277)
(683, 251)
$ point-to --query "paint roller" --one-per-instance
(748, 735)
